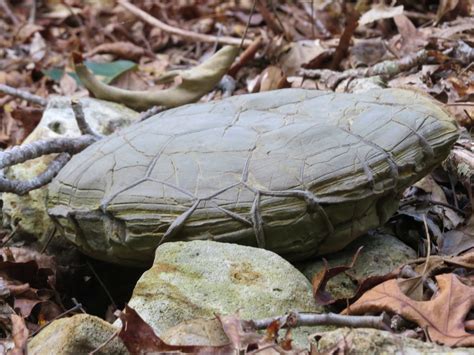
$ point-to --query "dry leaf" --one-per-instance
(379, 12)
(20, 335)
(272, 78)
(320, 280)
(124, 50)
(443, 316)
(457, 241)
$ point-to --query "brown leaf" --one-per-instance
(20, 335)
(29, 118)
(460, 240)
(453, 8)
(321, 279)
(443, 316)
(239, 338)
(124, 50)
(272, 78)
(139, 338)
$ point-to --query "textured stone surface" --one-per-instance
(190, 280)
(372, 341)
(79, 334)
(28, 212)
(299, 172)
(380, 255)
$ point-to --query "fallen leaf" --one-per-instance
(379, 12)
(124, 50)
(321, 279)
(299, 54)
(139, 338)
(442, 317)
(453, 8)
(19, 334)
(37, 48)
(460, 240)
(272, 78)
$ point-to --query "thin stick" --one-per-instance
(109, 295)
(10, 236)
(9, 13)
(192, 36)
(311, 319)
(23, 94)
(81, 119)
(247, 25)
(73, 309)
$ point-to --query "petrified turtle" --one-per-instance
(299, 172)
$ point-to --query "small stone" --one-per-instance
(79, 334)
(373, 341)
(380, 255)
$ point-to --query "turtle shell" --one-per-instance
(299, 172)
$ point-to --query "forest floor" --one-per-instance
(325, 45)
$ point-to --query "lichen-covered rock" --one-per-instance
(381, 254)
(298, 172)
(198, 279)
(28, 213)
(372, 341)
(79, 334)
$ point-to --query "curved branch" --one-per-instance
(179, 32)
(65, 147)
(23, 95)
(22, 153)
(20, 187)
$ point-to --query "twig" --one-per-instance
(74, 300)
(247, 25)
(32, 16)
(104, 344)
(109, 295)
(150, 112)
(345, 40)
(310, 319)
(65, 147)
(408, 272)
(22, 187)
(9, 13)
(51, 233)
(81, 120)
(387, 69)
(10, 236)
(23, 94)
(180, 32)
(73, 309)
(268, 18)
(245, 56)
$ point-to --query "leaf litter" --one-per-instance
(430, 45)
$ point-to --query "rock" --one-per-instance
(28, 213)
(372, 341)
(197, 279)
(381, 254)
(79, 334)
(207, 332)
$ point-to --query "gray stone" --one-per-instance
(380, 255)
(79, 334)
(197, 279)
(28, 213)
(372, 341)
